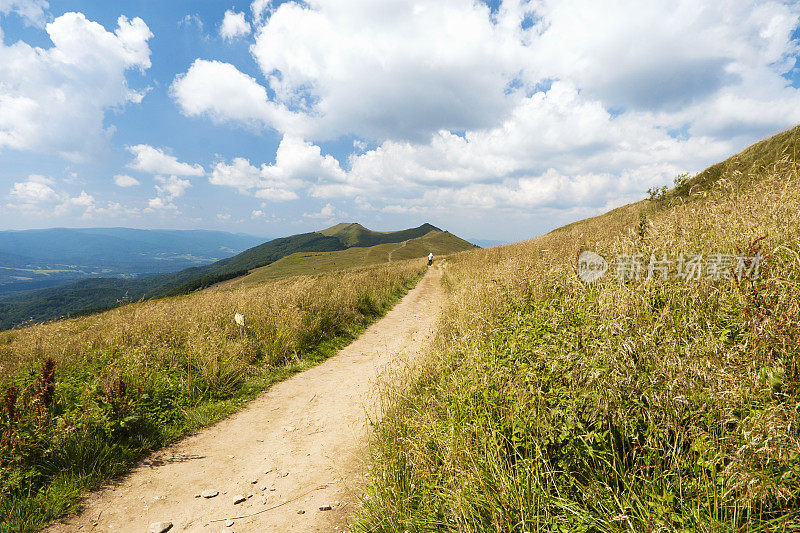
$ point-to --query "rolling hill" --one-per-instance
(352, 234)
(309, 263)
(93, 294)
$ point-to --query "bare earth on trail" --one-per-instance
(402, 245)
(296, 448)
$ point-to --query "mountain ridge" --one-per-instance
(436, 241)
(354, 234)
(95, 294)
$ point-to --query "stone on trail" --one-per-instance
(325, 507)
(160, 527)
(229, 523)
(238, 499)
(209, 493)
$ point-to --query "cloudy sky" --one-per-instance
(496, 120)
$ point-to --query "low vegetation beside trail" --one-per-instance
(642, 405)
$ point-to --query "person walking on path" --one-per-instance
(430, 259)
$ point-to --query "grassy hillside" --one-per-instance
(351, 234)
(83, 398)
(750, 163)
(627, 405)
(310, 263)
(103, 293)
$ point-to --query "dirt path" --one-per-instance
(402, 245)
(299, 446)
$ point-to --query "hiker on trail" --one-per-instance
(430, 259)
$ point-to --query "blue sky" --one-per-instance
(497, 120)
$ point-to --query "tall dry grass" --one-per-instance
(624, 406)
(126, 381)
(283, 317)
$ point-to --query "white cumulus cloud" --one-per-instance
(123, 180)
(234, 25)
(160, 204)
(224, 94)
(563, 105)
(297, 164)
(259, 8)
(156, 161)
(376, 69)
(172, 187)
(36, 189)
(247, 179)
(327, 212)
(41, 196)
(49, 94)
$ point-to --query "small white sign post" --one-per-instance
(239, 319)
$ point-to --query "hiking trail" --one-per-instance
(299, 447)
(402, 245)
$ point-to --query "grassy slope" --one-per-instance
(752, 161)
(626, 406)
(140, 376)
(309, 263)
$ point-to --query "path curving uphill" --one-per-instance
(296, 450)
(402, 245)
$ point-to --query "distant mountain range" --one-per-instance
(93, 294)
(37, 259)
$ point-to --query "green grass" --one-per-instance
(636, 406)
